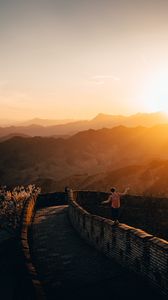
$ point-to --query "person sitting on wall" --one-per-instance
(114, 200)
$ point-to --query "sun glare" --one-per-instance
(155, 91)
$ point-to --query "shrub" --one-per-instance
(11, 205)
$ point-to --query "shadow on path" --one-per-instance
(69, 267)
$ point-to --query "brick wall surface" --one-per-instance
(146, 213)
(134, 248)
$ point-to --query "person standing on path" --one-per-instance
(114, 200)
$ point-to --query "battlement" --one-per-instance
(137, 250)
(146, 213)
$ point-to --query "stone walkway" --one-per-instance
(68, 267)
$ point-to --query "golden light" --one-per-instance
(155, 92)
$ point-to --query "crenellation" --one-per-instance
(138, 250)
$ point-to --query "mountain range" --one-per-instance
(91, 159)
(40, 127)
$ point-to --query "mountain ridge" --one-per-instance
(92, 159)
(100, 121)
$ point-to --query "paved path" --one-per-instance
(68, 267)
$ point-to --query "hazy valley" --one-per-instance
(92, 159)
(66, 128)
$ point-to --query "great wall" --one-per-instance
(69, 251)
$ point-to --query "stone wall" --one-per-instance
(131, 247)
(51, 199)
(147, 213)
(33, 288)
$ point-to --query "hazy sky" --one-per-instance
(76, 58)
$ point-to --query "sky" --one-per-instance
(77, 58)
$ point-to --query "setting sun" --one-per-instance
(155, 91)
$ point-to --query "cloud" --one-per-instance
(101, 79)
(106, 77)
(98, 81)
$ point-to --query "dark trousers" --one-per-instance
(115, 213)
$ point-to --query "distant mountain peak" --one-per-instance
(103, 117)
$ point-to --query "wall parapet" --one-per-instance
(131, 247)
(133, 210)
(34, 282)
(51, 199)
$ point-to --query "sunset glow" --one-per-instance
(75, 59)
(155, 91)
